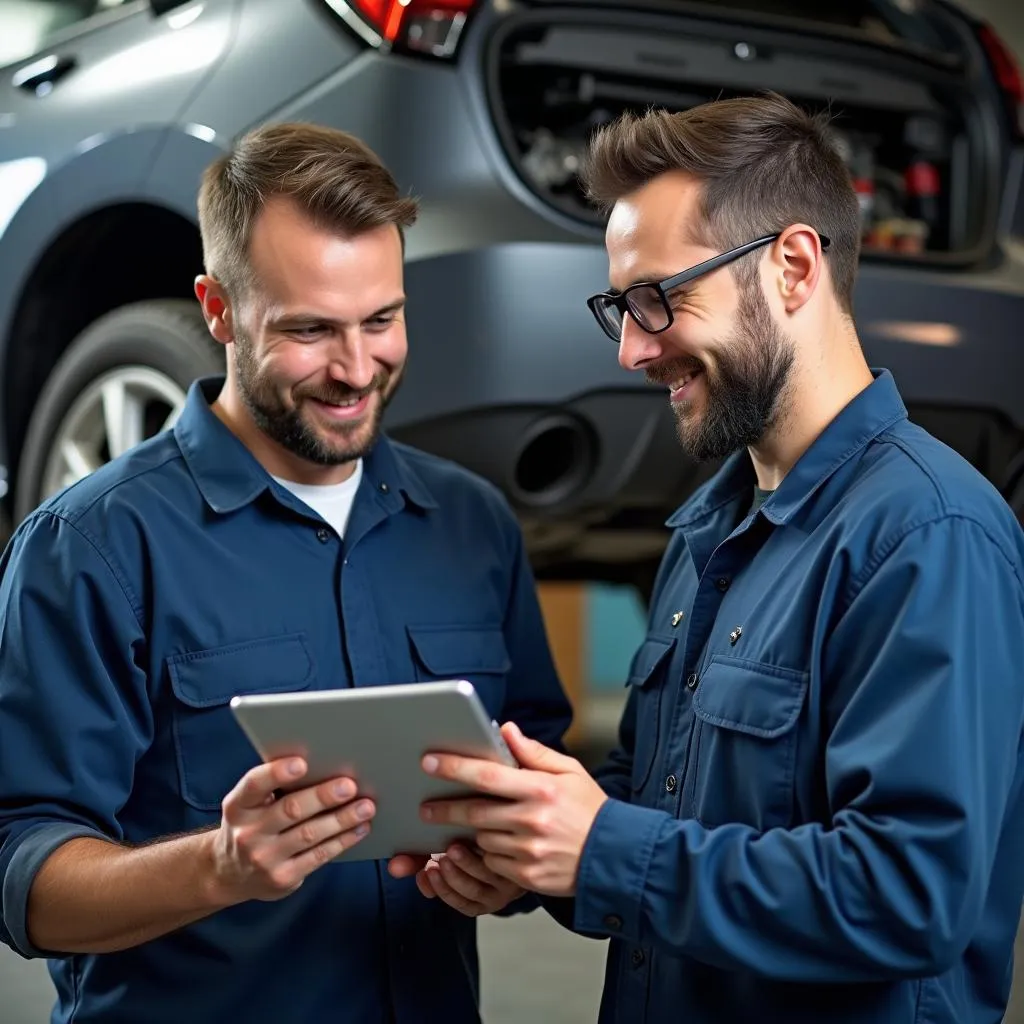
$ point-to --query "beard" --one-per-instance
(745, 396)
(295, 429)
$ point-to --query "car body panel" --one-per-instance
(496, 278)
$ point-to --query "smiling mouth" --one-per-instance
(348, 403)
(678, 386)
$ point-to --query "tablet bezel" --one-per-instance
(378, 736)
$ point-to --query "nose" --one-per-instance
(351, 361)
(637, 348)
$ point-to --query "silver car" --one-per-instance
(109, 111)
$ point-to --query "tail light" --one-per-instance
(431, 27)
(1007, 72)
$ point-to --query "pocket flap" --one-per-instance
(750, 697)
(653, 653)
(204, 679)
(460, 650)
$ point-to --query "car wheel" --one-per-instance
(123, 380)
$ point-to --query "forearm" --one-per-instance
(92, 896)
(806, 905)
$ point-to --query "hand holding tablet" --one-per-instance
(377, 736)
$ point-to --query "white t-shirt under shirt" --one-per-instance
(332, 502)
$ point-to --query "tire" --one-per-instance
(164, 342)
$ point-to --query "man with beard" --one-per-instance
(273, 541)
(816, 812)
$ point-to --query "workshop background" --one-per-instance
(532, 969)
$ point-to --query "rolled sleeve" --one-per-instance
(613, 873)
(74, 709)
(32, 849)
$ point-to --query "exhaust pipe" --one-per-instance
(555, 461)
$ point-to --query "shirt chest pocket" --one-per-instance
(745, 742)
(477, 653)
(647, 677)
(211, 750)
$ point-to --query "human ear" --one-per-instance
(216, 308)
(798, 261)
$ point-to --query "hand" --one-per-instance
(535, 835)
(461, 879)
(265, 847)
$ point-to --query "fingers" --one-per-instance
(352, 818)
(257, 786)
(306, 863)
(481, 813)
(522, 848)
(423, 878)
(461, 882)
(483, 776)
(303, 804)
(535, 756)
(472, 864)
(452, 886)
(406, 865)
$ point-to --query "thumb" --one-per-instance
(535, 756)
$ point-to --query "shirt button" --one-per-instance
(670, 784)
(613, 922)
(691, 680)
(722, 583)
(383, 488)
(323, 535)
(637, 957)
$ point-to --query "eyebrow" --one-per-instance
(643, 279)
(279, 318)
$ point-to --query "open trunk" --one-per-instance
(907, 118)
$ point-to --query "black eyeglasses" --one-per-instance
(647, 302)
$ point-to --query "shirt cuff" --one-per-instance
(613, 870)
(36, 845)
(524, 904)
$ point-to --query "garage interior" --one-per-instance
(530, 965)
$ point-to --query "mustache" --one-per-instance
(672, 369)
(339, 392)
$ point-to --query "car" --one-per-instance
(110, 110)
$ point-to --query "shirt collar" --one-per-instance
(869, 414)
(229, 476)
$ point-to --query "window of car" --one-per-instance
(27, 25)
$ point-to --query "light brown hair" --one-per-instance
(333, 177)
(763, 164)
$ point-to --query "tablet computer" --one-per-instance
(377, 735)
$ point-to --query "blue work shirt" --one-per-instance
(816, 810)
(134, 605)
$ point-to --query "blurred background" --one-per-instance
(109, 110)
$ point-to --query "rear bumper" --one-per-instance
(509, 375)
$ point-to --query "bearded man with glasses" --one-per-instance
(816, 811)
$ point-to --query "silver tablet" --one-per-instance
(378, 735)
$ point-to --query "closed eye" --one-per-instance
(680, 294)
(308, 332)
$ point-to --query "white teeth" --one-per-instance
(680, 384)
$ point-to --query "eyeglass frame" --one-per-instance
(620, 301)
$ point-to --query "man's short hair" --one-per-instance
(763, 164)
(331, 176)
